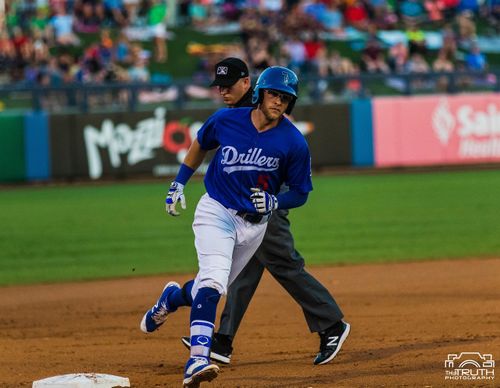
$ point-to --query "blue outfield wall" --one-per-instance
(362, 133)
(37, 146)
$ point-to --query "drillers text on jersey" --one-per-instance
(251, 160)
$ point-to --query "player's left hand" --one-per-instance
(263, 201)
(175, 194)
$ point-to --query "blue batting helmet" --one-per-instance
(277, 78)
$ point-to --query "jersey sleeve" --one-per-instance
(298, 173)
(207, 134)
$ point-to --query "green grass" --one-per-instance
(52, 234)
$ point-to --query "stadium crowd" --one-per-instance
(41, 40)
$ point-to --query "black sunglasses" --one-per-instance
(284, 97)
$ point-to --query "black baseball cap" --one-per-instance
(229, 71)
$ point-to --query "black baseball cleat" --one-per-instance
(331, 341)
(220, 350)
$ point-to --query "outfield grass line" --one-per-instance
(63, 233)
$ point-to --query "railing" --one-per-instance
(186, 93)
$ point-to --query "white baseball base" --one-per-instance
(82, 380)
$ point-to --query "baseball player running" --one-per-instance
(276, 253)
(257, 151)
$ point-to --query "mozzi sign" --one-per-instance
(437, 130)
(135, 144)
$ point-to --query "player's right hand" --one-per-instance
(175, 194)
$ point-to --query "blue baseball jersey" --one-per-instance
(247, 158)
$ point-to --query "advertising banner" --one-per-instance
(327, 129)
(428, 130)
(154, 143)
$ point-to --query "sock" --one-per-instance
(181, 297)
(202, 321)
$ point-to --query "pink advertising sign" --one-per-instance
(425, 130)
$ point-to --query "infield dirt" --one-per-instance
(405, 318)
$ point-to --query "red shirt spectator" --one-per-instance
(19, 39)
(313, 46)
(356, 15)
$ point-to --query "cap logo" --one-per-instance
(222, 70)
(285, 78)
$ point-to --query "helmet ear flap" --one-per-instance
(257, 95)
(290, 106)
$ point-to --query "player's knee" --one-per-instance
(216, 285)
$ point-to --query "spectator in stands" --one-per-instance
(434, 10)
(373, 58)
(66, 64)
(40, 22)
(115, 11)
(398, 57)
(339, 65)
(231, 12)
(442, 65)
(54, 4)
(469, 5)
(122, 52)
(258, 53)
(314, 48)
(381, 14)
(450, 8)
(131, 8)
(449, 45)
(157, 22)
(89, 15)
(315, 9)
(7, 57)
(19, 39)
(105, 47)
(332, 19)
(334, 63)
(356, 15)
(294, 54)
(466, 27)
(198, 13)
(62, 26)
(412, 12)
(475, 60)
(139, 72)
(417, 64)
(53, 70)
(251, 25)
(416, 40)
(297, 21)
(92, 69)
(493, 15)
(40, 47)
(322, 62)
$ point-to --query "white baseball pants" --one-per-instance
(224, 242)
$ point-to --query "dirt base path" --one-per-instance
(406, 319)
